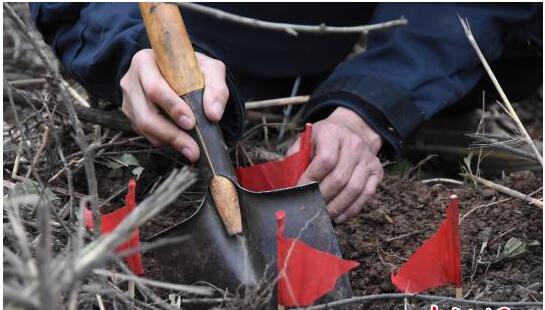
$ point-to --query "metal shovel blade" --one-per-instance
(236, 264)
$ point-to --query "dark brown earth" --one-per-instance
(403, 207)
(406, 212)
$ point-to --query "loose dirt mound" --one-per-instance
(405, 213)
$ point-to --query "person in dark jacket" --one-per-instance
(360, 105)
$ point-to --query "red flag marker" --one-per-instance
(305, 273)
(110, 222)
(278, 174)
(437, 261)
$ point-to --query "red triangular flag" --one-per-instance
(110, 222)
(305, 273)
(278, 174)
(437, 261)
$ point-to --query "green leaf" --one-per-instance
(125, 160)
(514, 247)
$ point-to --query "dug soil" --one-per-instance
(405, 212)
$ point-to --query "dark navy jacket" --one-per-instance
(406, 75)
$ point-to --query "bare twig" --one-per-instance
(28, 82)
(96, 252)
(192, 289)
(401, 296)
(80, 135)
(414, 233)
(43, 253)
(14, 295)
(291, 29)
(507, 191)
(278, 102)
(484, 206)
(45, 138)
(442, 180)
(77, 96)
(510, 110)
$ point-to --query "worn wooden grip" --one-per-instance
(172, 47)
(178, 65)
(225, 198)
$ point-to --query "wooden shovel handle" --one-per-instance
(172, 47)
(179, 66)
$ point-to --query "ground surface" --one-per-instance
(404, 207)
(406, 212)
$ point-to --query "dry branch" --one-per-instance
(117, 120)
(291, 29)
(278, 102)
(96, 252)
(433, 298)
(197, 290)
(508, 191)
(510, 110)
(67, 270)
(80, 134)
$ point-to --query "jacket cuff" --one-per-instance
(232, 124)
(386, 108)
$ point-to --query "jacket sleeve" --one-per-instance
(96, 42)
(410, 73)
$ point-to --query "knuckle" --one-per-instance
(354, 188)
(334, 211)
(327, 160)
(138, 58)
(154, 90)
(370, 191)
(176, 111)
(354, 210)
(374, 140)
(177, 141)
(223, 91)
(357, 142)
(124, 82)
(145, 125)
(329, 127)
(125, 108)
(217, 63)
(338, 179)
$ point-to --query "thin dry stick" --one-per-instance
(12, 211)
(483, 206)
(100, 250)
(191, 289)
(508, 191)
(80, 134)
(278, 102)
(442, 180)
(291, 29)
(511, 111)
(401, 296)
(100, 303)
(28, 82)
(74, 93)
(45, 138)
(43, 255)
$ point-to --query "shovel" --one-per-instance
(230, 240)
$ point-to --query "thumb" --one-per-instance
(294, 148)
(305, 178)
